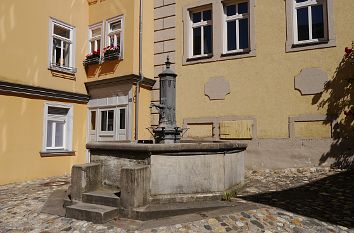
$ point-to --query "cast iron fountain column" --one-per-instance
(167, 130)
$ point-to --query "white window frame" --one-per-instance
(70, 68)
(100, 120)
(96, 38)
(308, 4)
(237, 17)
(200, 24)
(120, 31)
(68, 127)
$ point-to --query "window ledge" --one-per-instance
(199, 58)
(237, 55)
(291, 47)
(56, 153)
(65, 70)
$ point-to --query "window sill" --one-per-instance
(238, 55)
(220, 57)
(56, 153)
(291, 47)
(65, 70)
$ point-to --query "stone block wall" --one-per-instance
(164, 44)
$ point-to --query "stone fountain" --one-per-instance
(127, 179)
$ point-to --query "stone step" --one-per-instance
(155, 211)
(102, 197)
(91, 212)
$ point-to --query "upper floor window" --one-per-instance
(309, 24)
(61, 46)
(114, 37)
(95, 32)
(201, 33)
(218, 30)
(236, 38)
(309, 21)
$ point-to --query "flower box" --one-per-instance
(111, 53)
(93, 58)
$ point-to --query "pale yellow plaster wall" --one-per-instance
(129, 9)
(24, 38)
(144, 113)
(21, 138)
(261, 86)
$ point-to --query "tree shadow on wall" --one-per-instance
(337, 97)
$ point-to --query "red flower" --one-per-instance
(348, 50)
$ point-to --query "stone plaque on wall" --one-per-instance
(311, 81)
(217, 88)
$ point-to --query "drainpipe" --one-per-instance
(140, 70)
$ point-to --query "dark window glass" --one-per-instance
(243, 8)
(110, 120)
(58, 111)
(317, 22)
(298, 1)
(197, 17)
(243, 30)
(56, 51)
(122, 118)
(93, 120)
(60, 31)
(231, 35)
(50, 125)
(231, 10)
(303, 24)
(207, 15)
(59, 134)
(104, 121)
(197, 41)
(208, 44)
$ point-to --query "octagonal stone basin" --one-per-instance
(191, 168)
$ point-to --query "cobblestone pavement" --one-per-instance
(282, 193)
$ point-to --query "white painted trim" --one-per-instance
(100, 37)
(71, 41)
(120, 31)
(200, 25)
(309, 4)
(68, 128)
(237, 17)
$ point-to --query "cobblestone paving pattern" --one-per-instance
(20, 206)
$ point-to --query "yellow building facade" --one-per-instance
(50, 89)
(269, 73)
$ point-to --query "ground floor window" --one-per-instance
(57, 127)
(108, 124)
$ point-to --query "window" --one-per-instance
(107, 120)
(58, 127)
(61, 47)
(236, 37)
(309, 21)
(95, 32)
(216, 30)
(202, 33)
(309, 24)
(114, 35)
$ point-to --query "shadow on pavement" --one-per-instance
(330, 199)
